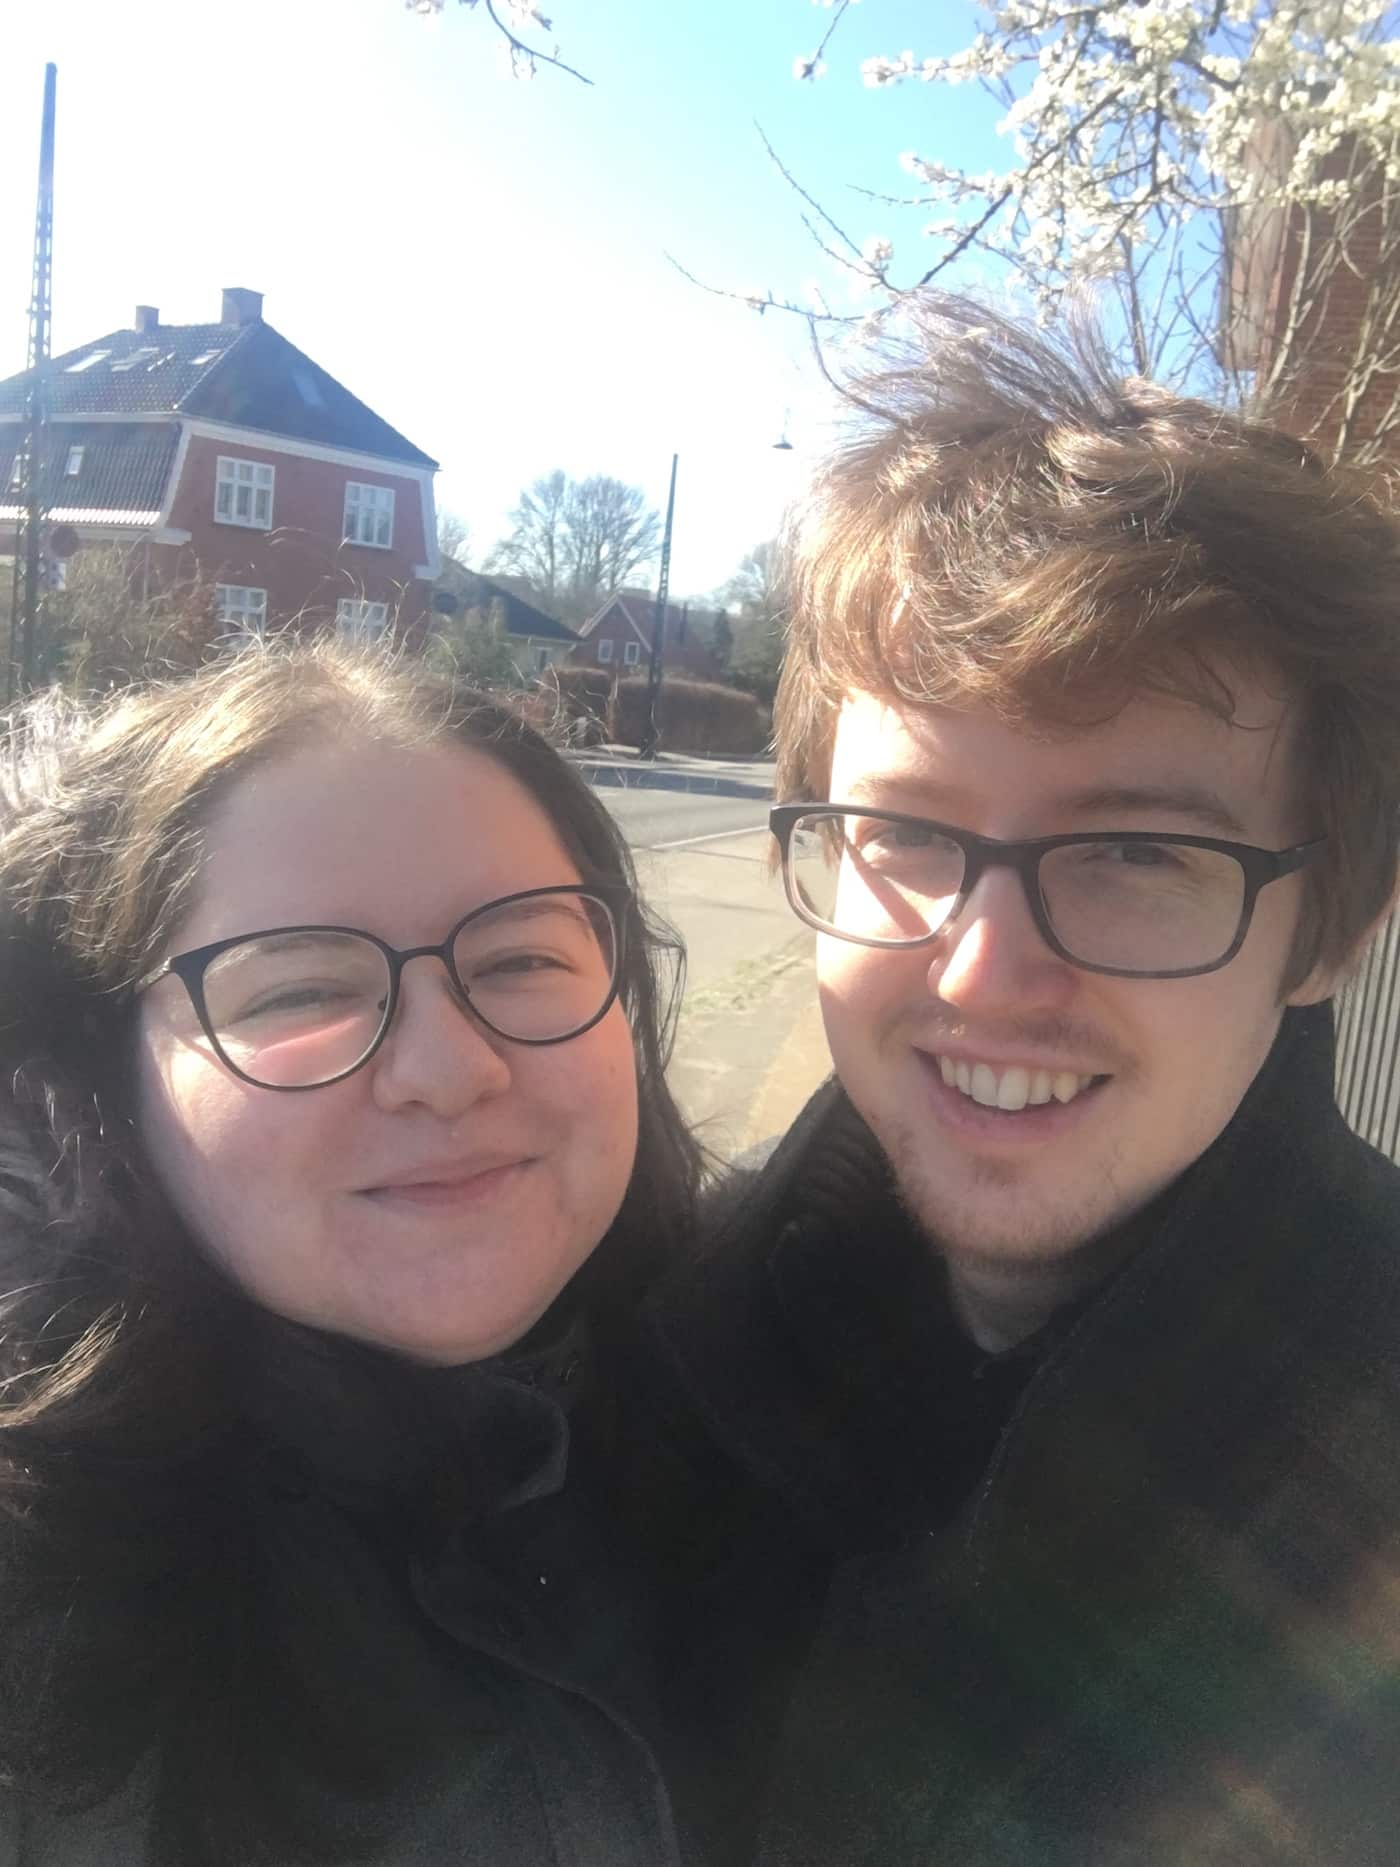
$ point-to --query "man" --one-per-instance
(1068, 1314)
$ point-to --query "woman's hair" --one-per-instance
(112, 1407)
(1008, 524)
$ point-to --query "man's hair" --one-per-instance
(1005, 523)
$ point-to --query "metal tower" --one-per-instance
(28, 482)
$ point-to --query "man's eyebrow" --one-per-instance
(1197, 802)
(1177, 800)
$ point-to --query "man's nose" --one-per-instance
(436, 1053)
(991, 955)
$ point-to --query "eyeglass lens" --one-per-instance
(1136, 907)
(294, 1009)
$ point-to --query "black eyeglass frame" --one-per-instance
(1024, 855)
(189, 968)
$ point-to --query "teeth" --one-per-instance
(1011, 1089)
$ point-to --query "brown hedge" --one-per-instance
(693, 716)
(585, 697)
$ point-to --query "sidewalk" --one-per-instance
(750, 1047)
(676, 771)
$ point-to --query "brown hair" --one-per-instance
(111, 1327)
(1006, 524)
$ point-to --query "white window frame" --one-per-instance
(74, 464)
(357, 620)
(241, 607)
(631, 654)
(605, 649)
(243, 491)
(369, 515)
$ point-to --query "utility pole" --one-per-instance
(32, 460)
(651, 736)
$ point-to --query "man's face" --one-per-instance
(1169, 1059)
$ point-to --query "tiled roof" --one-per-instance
(248, 375)
(122, 471)
(521, 616)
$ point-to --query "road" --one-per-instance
(749, 1048)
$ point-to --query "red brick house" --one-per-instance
(222, 448)
(1319, 287)
(619, 637)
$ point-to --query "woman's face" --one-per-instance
(436, 1201)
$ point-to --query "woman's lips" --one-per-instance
(456, 1189)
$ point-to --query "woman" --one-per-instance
(334, 1149)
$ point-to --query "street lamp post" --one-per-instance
(651, 732)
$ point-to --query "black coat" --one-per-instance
(1162, 1628)
(438, 1651)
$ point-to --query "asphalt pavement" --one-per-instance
(750, 1047)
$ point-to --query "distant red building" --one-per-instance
(618, 637)
(222, 448)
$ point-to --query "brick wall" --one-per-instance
(301, 560)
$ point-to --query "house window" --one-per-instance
(541, 660)
(86, 363)
(369, 515)
(605, 649)
(135, 358)
(244, 493)
(240, 608)
(631, 653)
(75, 463)
(358, 621)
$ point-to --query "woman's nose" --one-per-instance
(436, 1053)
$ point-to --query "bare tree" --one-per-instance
(453, 536)
(575, 542)
(612, 534)
(758, 632)
(534, 548)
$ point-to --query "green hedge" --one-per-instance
(693, 716)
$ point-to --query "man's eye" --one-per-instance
(898, 836)
(1141, 855)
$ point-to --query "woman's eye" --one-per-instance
(515, 964)
(297, 998)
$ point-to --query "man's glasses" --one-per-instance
(1127, 902)
(300, 1007)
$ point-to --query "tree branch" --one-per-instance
(531, 54)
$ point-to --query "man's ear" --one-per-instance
(1328, 977)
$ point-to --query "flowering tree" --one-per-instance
(513, 21)
(1226, 168)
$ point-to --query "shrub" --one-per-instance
(694, 716)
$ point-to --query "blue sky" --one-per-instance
(483, 260)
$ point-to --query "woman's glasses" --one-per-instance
(300, 1007)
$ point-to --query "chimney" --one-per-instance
(147, 319)
(241, 306)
